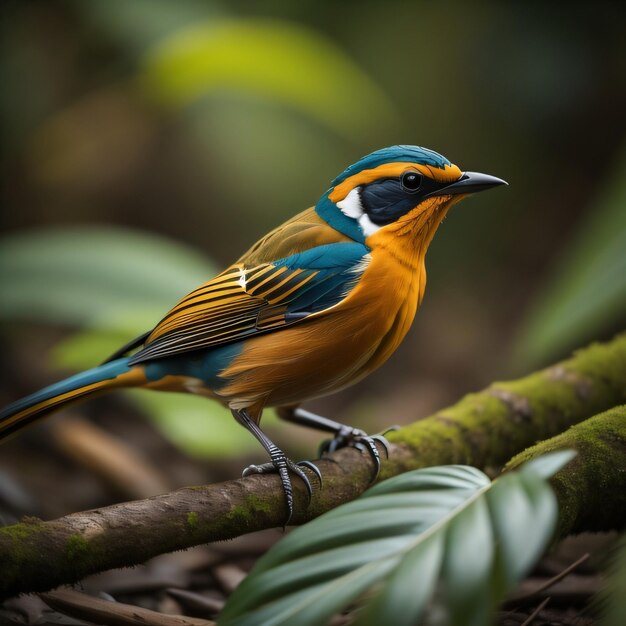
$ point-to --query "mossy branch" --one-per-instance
(483, 429)
(591, 490)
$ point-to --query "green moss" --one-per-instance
(243, 515)
(460, 434)
(15, 543)
(22, 531)
(605, 362)
(487, 428)
(240, 515)
(593, 482)
(76, 547)
(255, 505)
(193, 520)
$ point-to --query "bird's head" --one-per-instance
(400, 189)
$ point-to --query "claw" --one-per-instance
(305, 479)
(283, 465)
(314, 469)
(344, 436)
(391, 429)
(373, 450)
(325, 447)
(356, 438)
(279, 461)
(382, 440)
(264, 468)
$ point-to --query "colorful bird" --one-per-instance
(311, 308)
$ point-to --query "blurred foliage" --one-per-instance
(275, 59)
(115, 284)
(198, 426)
(212, 122)
(137, 24)
(586, 292)
(97, 277)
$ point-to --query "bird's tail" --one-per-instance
(114, 374)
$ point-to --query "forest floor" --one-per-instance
(69, 464)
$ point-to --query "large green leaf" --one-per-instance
(97, 277)
(200, 427)
(279, 60)
(441, 528)
(114, 283)
(587, 292)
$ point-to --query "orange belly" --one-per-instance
(332, 350)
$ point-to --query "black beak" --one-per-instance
(470, 182)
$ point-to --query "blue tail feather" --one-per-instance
(34, 405)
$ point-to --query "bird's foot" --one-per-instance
(279, 462)
(282, 465)
(348, 437)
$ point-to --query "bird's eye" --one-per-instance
(411, 181)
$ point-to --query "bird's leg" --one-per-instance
(279, 462)
(344, 436)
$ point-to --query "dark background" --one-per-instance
(97, 131)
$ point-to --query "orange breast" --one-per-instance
(339, 347)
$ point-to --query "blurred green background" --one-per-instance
(148, 143)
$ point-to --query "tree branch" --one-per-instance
(591, 489)
(483, 429)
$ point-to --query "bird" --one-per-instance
(313, 307)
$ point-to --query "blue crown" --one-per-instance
(393, 154)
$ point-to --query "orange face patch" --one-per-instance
(449, 174)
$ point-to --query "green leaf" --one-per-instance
(97, 277)
(548, 465)
(279, 60)
(587, 292)
(441, 528)
(421, 565)
(470, 539)
(115, 283)
(198, 426)
(517, 520)
(84, 349)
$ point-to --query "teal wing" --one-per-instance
(243, 301)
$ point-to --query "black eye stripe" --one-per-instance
(387, 199)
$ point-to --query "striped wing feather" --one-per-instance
(242, 302)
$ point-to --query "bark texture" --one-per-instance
(591, 490)
(483, 429)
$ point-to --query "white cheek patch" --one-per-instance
(367, 226)
(351, 207)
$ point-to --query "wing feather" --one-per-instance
(245, 301)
